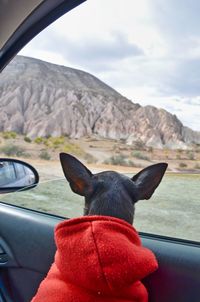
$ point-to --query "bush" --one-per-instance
(39, 140)
(197, 166)
(118, 160)
(9, 134)
(139, 155)
(45, 155)
(123, 140)
(58, 140)
(139, 145)
(90, 159)
(26, 155)
(12, 150)
(191, 155)
(54, 142)
(150, 149)
(27, 139)
(74, 149)
(130, 163)
(182, 165)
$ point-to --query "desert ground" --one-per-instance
(174, 210)
(98, 153)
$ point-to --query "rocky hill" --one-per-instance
(41, 99)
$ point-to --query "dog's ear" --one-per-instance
(78, 176)
(148, 179)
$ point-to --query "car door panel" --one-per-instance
(4, 291)
(27, 237)
(177, 278)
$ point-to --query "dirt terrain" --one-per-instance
(161, 215)
(98, 154)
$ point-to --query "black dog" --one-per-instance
(110, 193)
(100, 258)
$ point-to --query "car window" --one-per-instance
(119, 91)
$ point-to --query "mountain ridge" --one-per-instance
(38, 98)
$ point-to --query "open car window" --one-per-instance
(120, 92)
(161, 215)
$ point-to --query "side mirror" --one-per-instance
(16, 175)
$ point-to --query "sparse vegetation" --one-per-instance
(61, 143)
(26, 155)
(9, 134)
(182, 165)
(130, 163)
(27, 139)
(120, 160)
(90, 159)
(123, 140)
(45, 155)
(140, 155)
(13, 150)
(191, 155)
(150, 149)
(74, 149)
(197, 166)
(51, 142)
(39, 140)
(166, 153)
(54, 142)
(90, 150)
(139, 145)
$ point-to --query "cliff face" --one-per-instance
(40, 99)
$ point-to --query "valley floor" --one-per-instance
(99, 154)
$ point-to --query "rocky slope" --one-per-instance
(40, 99)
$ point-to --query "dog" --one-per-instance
(110, 193)
(99, 256)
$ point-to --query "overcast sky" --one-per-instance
(148, 50)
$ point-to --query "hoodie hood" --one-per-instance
(102, 254)
(98, 258)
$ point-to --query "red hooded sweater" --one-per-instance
(98, 258)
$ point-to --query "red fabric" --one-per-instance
(98, 258)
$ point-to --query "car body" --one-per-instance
(27, 244)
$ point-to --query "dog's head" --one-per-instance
(110, 193)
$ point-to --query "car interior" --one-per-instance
(27, 244)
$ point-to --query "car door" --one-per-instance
(27, 250)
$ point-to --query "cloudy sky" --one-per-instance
(148, 50)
